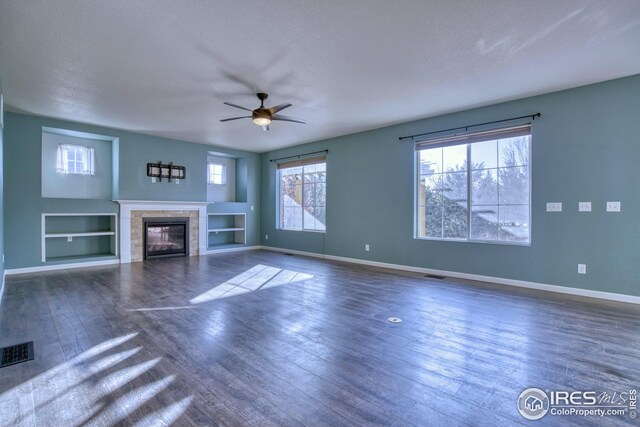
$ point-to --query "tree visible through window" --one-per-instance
(476, 191)
(302, 195)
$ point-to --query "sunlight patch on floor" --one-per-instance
(167, 416)
(187, 307)
(114, 381)
(102, 385)
(104, 346)
(112, 360)
(125, 405)
(256, 278)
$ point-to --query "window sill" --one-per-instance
(488, 242)
(302, 230)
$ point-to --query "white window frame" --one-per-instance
(211, 175)
(455, 140)
(289, 165)
(82, 155)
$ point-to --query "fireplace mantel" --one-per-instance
(126, 206)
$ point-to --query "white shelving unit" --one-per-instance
(90, 229)
(96, 233)
(225, 230)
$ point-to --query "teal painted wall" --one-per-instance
(22, 171)
(72, 186)
(585, 148)
(225, 192)
(1, 208)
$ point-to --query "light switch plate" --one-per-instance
(554, 207)
(582, 268)
(584, 206)
(613, 206)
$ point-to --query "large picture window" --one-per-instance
(303, 195)
(475, 187)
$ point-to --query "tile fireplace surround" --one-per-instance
(131, 227)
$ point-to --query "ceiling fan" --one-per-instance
(263, 116)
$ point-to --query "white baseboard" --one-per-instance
(291, 251)
(238, 249)
(53, 267)
(41, 268)
(609, 296)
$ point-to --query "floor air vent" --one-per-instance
(434, 276)
(17, 354)
(287, 254)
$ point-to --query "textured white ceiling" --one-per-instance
(164, 67)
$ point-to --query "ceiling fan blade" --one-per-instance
(277, 108)
(287, 119)
(265, 128)
(235, 118)
(237, 106)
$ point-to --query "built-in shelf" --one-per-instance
(93, 233)
(79, 237)
(81, 258)
(226, 230)
(217, 230)
(225, 246)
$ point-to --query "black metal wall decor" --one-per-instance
(168, 171)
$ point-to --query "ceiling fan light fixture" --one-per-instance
(263, 116)
(262, 121)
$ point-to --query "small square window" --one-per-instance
(216, 174)
(75, 159)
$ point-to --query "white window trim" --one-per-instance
(293, 164)
(437, 143)
(87, 158)
(210, 174)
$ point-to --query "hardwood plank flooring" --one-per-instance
(263, 339)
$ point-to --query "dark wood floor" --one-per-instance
(263, 339)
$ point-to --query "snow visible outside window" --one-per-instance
(475, 192)
(303, 197)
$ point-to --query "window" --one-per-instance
(216, 173)
(303, 194)
(74, 159)
(475, 187)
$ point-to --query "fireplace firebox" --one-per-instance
(166, 237)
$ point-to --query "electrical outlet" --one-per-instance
(69, 239)
(582, 268)
(153, 179)
(554, 207)
(613, 206)
(251, 207)
(584, 206)
(366, 247)
(266, 237)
